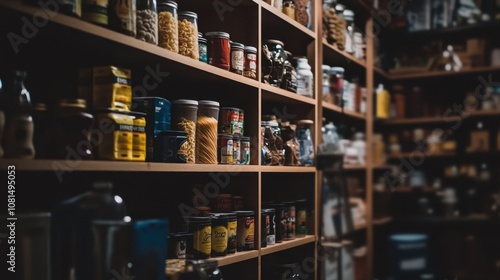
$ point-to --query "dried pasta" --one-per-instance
(206, 140)
(189, 149)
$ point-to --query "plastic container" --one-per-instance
(184, 116)
(188, 34)
(219, 49)
(168, 32)
(206, 132)
(305, 80)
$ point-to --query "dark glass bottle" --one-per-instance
(18, 134)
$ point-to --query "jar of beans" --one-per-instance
(147, 21)
(188, 34)
(219, 49)
(168, 36)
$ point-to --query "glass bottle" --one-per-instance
(19, 128)
(274, 69)
(147, 21)
(188, 34)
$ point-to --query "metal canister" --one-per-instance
(246, 230)
(270, 224)
(225, 149)
(229, 120)
(219, 235)
(201, 228)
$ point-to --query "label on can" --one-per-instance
(219, 240)
(301, 223)
(231, 235)
(246, 233)
(202, 241)
(225, 148)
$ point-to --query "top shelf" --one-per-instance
(270, 11)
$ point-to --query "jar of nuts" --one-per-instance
(147, 21)
(188, 34)
(168, 36)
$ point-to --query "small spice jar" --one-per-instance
(188, 34)
(237, 58)
(202, 46)
(219, 49)
(147, 21)
(168, 32)
(225, 149)
(245, 150)
(250, 62)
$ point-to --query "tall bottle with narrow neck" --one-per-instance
(18, 134)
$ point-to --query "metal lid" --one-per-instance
(203, 40)
(217, 34)
(230, 108)
(244, 213)
(250, 49)
(273, 41)
(237, 45)
(187, 14)
(185, 102)
(305, 122)
(172, 4)
(208, 103)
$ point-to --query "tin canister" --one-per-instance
(270, 226)
(229, 120)
(180, 245)
(264, 228)
(219, 235)
(225, 149)
(201, 228)
(246, 230)
(232, 230)
(245, 150)
(172, 146)
(289, 220)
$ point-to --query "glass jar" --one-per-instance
(336, 84)
(245, 150)
(147, 21)
(278, 4)
(206, 132)
(188, 34)
(122, 17)
(349, 30)
(237, 58)
(225, 149)
(168, 32)
(202, 46)
(250, 64)
(184, 115)
(304, 133)
(219, 49)
(325, 81)
(274, 68)
(289, 9)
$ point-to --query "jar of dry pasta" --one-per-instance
(168, 36)
(206, 132)
(188, 34)
(184, 115)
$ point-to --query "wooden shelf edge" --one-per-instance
(287, 94)
(237, 257)
(338, 109)
(422, 120)
(285, 245)
(433, 74)
(344, 54)
(128, 41)
(382, 221)
(288, 169)
(284, 17)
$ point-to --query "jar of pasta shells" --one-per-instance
(184, 115)
(188, 34)
(168, 36)
(206, 132)
(147, 21)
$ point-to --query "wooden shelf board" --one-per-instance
(278, 94)
(288, 169)
(338, 109)
(285, 18)
(383, 166)
(427, 155)
(285, 245)
(354, 167)
(117, 166)
(237, 257)
(344, 54)
(382, 221)
(436, 74)
(429, 120)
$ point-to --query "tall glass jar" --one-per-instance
(306, 143)
(188, 34)
(147, 21)
(168, 33)
(237, 58)
(336, 84)
(273, 70)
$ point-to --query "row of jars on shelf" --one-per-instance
(339, 91)
(298, 10)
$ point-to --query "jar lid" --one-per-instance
(273, 41)
(339, 70)
(217, 34)
(305, 122)
(203, 40)
(200, 34)
(348, 14)
(268, 210)
(242, 213)
(251, 49)
(208, 103)
(237, 45)
(185, 102)
(172, 4)
(187, 14)
(217, 216)
(230, 108)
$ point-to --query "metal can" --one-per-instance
(270, 226)
(289, 220)
(219, 235)
(237, 58)
(201, 228)
(232, 231)
(246, 230)
(225, 149)
(180, 245)
(245, 150)
(229, 118)
(301, 220)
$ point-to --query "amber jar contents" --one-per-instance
(219, 49)
(289, 9)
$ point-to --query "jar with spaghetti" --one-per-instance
(147, 21)
(184, 117)
(225, 149)
(237, 58)
(219, 49)
(188, 34)
(168, 33)
(206, 132)
(250, 62)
